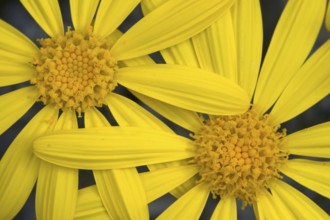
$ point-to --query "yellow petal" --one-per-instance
(47, 14)
(288, 49)
(300, 205)
(189, 206)
(19, 167)
(82, 13)
(57, 187)
(89, 205)
(247, 23)
(216, 50)
(187, 119)
(15, 46)
(128, 113)
(162, 181)
(14, 72)
(94, 118)
(269, 208)
(327, 18)
(225, 210)
(308, 86)
(57, 190)
(169, 24)
(186, 87)
(182, 53)
(122, 193)
(312, 142)
(111, 14)
(14, 104)
(312, 174)
(112, 147)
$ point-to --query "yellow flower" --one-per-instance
(76, 71)
(238, 156)
(327, 18)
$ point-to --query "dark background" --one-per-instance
(13, 12)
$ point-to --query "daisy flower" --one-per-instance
(234, 157)
(77, 70)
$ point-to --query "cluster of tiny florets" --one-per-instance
(239, 155)
(74, 71)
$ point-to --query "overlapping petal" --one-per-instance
(14, 72)
(308, 86)
(111, 14)
(226, 209)
(82, 13)
(169, 24)
(47, 14)
(112, 147)
(186, 87)
(288, 49)
(19, 167)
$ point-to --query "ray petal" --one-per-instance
(302, 207)
(308, 86)
(47, 14)
(312, 142)
(247, 23)
(14, 104)
(15, 46)
(14, 72)
(312, 174)
(225, 210)
(195, 199)
(122, 193)
(288, 50)
(169, 24)
(82, 13)
(19, 167)
(111, 14)
(112, 147)
(186, 87)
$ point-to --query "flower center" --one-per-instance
(74, 71)
(239, 155)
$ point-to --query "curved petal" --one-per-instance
(216, 50)
(169, 24)
(312, 174)
(111, 14)
(312, 142)
(13, 72)
(122, 193)
(162, 181)
(129, 113)
(112, 147)
(57, 187)
(225, 210)
(57, 190)
(14, 104)
(269, 208)
(308, 86)
(247, 21)
(300, 205)
(185, 118)
(19, 167)
(47, 14)
(90, 206)
(15, 46)
(189, 206)
(288, 50)
(82, 13)
(94, 118)
(186, 87)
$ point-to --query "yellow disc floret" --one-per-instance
(239, 155)
(75, 70)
